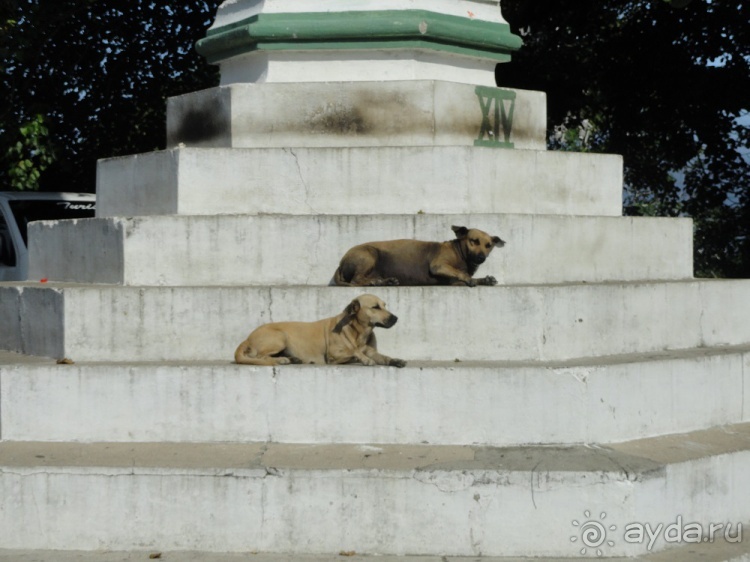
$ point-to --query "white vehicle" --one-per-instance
(18, 209)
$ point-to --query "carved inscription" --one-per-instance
(497, 117)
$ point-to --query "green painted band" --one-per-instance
(359, 30)
(366, 45)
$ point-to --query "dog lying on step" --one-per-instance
(345, 338)
(413, 262)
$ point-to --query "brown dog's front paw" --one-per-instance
(489, 281)
(471, 283)
(397, 363)
(390, 281)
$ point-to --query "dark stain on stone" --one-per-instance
(338, 119)
(200, 125)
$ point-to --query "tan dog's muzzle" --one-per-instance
(392, 319)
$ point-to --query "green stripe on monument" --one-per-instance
(391, 29)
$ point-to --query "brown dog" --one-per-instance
(346, 338)
(413, 262)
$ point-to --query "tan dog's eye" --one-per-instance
(474, 241)
(376, 307)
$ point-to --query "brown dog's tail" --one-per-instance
(341, 279)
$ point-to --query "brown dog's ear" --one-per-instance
(460, 231)
(498, 242)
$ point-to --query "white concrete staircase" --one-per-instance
(597, 378)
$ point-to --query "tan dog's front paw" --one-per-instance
(397, 363)
(288, 361)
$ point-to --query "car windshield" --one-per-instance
(39, 210)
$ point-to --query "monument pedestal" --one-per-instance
(597, 384)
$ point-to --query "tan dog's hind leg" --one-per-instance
(263, 348)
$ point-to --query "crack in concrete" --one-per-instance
(22, 335)
(744, 360)
(302, 180)
(270, 304)
(533, 470)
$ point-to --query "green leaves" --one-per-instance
(99, 72)
(29, 156)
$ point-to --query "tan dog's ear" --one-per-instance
(461, 231)
(498, 242)
(353, 307)
(350, 312)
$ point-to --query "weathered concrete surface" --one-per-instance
(359, 181)
(716, 552)
(597, 400)
(304, 250)
(352, 114)
(529, 322)
(269, 497)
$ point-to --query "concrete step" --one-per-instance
(300, 250)
(350, 114)
(384, 499)
(707, 552)
(505, 323)
(608, 399)
(359, 181)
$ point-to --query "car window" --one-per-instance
(7, 252)
(28, 211)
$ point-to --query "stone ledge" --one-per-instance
(457, 501)
(351, 114)
(519, 322)
(300, 250)
(606, 399)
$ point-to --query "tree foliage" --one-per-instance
(662, 83)
(30, 156)
(87, 79)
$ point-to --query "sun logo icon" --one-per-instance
(593, 534)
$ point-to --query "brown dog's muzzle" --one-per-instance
(478, 258)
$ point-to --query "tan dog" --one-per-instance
(346, 338)
(413, 262)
